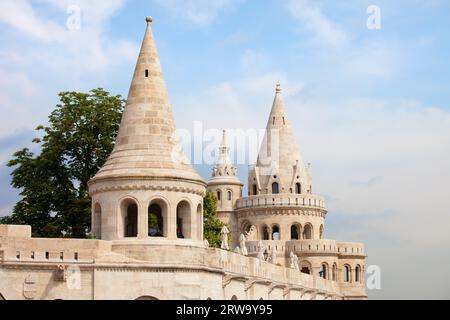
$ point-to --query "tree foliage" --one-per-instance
(54, 183)
(212, 225)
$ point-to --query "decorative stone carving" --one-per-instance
(273, 257)
(242, 246)
(261, 249)
(224, 233)
(29, 287)
(293, 261)
(61, 273)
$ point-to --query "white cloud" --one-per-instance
(312, 19)
(198, 12)
(20, 15)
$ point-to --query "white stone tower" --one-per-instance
(147, 189)
(227, 187)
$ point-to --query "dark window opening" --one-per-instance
(275, 188)
(146, 73)
(155, 221)
(298, 188)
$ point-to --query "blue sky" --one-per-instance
(370, 108)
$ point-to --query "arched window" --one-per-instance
(276, 233)
(334, 271)
(230, 195)
(295, 232)
(321, 232)
(219, 195)
(298, 188)
(155, 221)
(97, 227)
(358, 274)
(275, 188)
(254, 189)
(265, 232)
(308, 232)
(346, 273)
(184, 220)
(130, 219)
(305, 267)
(324, 271)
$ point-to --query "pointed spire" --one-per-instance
(224, 171)
(279, 159)
(146, 145)
(224, 157)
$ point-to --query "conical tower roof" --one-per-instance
(279, 158)
(146, 145)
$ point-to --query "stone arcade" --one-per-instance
(147, 216)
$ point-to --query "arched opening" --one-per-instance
(234, 298)
(334, 271)
(357, 273)
(230, 195)
(295, 232)
(308, 232)
(254, 189)
(276, 235)
(321, 232)
(275, 188)
(324, 271)
(184, 220)
(146, 298)
(97, 227)
(265, 232)
(298, 188)
(130, 218)
(157, 212)
(305, 267)
(346, 273)
(219, 195)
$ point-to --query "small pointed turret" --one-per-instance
(224, 171)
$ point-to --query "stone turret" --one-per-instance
(279, 168)
(147, 188)
(227, 187)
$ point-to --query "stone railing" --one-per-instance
(281, 200)
(299, 247)
(252, 268)
(351, 248)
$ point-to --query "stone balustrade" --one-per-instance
(281, 200)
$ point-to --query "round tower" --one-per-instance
(147, 189)
(227, 187)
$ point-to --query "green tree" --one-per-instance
(75, 144)
(212, 225)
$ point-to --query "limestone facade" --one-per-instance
(147, 217)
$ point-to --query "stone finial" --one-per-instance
(149, 19)
(278, 88)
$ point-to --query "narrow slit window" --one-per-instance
(75, 256)
(47, 255)
(18, 255)
(32, 255)
(273, 121)
(61, 255)
(146, 73)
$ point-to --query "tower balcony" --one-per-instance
(281, 200)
